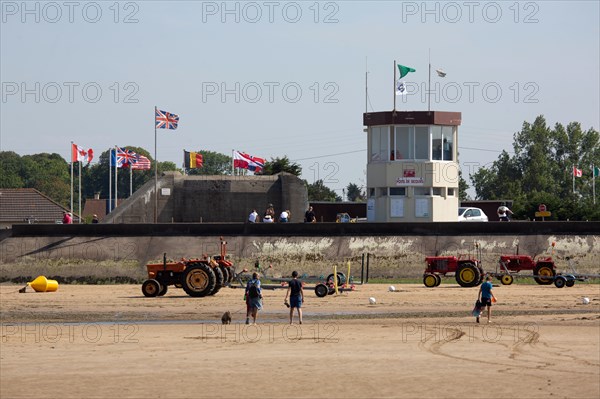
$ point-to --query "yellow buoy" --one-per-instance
(42, 284)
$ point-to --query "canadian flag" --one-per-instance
(577, 172)
(78, 154)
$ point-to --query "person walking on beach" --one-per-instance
(486, 297)
(296, 294)
(253, 298)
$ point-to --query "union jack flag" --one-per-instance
(122, 157)
(165, 120)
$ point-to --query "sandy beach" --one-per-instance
(98, 341)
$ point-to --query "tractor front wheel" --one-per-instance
(438, 279)
(198, 280)
(507, 279)
(544, 274)
(468, 275)
(220, 280)
(151, 288)
(226, 276)
(163, 289)
(429, 280)
(560, 282)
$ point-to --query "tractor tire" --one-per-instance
(468, 275)
(151, 288)
(226, 277)
(341, 278)
(570, 281)
(429, 280)
(163, 289)
(321, 290)
(507, 279)
(231, 270)
(560, 281)
(220, 280)
(199, 280)
(547, 271)
(481, 274)
(438, 280)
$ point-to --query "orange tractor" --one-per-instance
(197, 277)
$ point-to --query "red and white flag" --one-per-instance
(577, 172)
(141, 163)
(244, 161)
(78, 154)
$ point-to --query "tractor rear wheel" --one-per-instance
(468, 275)
(545, 274)
(341, 278)
(507, 279)
(321, 290)
(220, 280)
(429, 280)
(151, 288)
(198, 280)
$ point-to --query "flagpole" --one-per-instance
(573, 173)
(116, 179)
(71, 177)
(394, 85)
(130, 180)
(232, 162)
(155, 173)
(429, 85)
(110, 154)
(367, 85)
(80, 192)
(594, 183)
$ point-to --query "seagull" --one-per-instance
(441, 73)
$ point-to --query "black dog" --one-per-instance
(226, 318)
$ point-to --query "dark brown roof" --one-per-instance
(412, 118)
(19, 205)
(95, 207)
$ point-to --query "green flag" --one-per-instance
(404, 70)
(596, 171)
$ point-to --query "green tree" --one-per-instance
(49, 174)
(463, 186)
(10, 170)
(278, 165)
(541, 171)
(355, 193)
(319, 192)
(213, 163)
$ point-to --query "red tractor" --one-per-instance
(197, 277)
(544, 270)
(467, 271)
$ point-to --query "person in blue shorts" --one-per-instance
(486, 297)
(253, 298)
(296, 294)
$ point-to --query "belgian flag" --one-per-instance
(192, 160)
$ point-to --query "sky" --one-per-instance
(285, 78)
